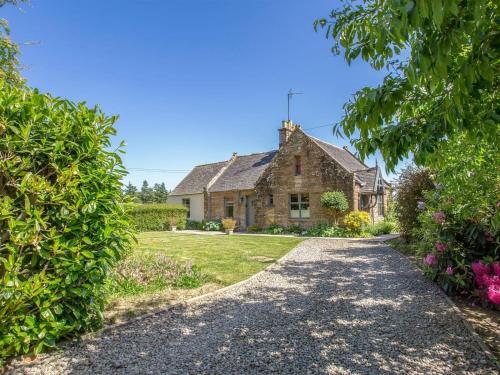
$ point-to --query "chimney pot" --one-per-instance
(287, 128)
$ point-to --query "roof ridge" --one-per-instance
(258, 153)
(216, 162)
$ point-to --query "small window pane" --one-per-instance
(294, 198)
(228, 208)
(304, 213)
(295, 214)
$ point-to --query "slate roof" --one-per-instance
(198, 179)
(342, 156)
(368, 178)
(243, 172)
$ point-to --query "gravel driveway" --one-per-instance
(331, 306)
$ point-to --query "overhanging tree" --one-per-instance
(443, 67)
(8, 52)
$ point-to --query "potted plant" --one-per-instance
(229, 225)
(172, 222)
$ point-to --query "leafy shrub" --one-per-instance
(325, 230)
(276, 229)
(335, 202)
(295, 229)
(228, 224)
(62, 222)
(383, 227)
(151, 271)
(157, 217)
(356, 221)
(194, 225)
(411, 186)
(459, 222)
(213, 225)
(254, 229)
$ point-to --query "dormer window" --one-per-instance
(298, 165)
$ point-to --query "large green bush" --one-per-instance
(157, 217)
(62, 224)
(411, 186)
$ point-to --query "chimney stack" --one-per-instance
(287, 128)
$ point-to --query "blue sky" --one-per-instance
(192, 81)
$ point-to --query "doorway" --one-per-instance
(249, 210)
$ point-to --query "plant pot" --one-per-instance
(173, 228)
(229, 231)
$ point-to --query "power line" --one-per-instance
(317, 127)
(158, 170)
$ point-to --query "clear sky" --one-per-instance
(192, 81)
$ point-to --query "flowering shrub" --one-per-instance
(487, 281)
(356, 221)
(458, 237)
(212, 225)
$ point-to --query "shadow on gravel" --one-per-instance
(358, 309)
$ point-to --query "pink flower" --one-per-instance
(479, 268)
(485, 281)
(494, 294)
(440, 246)
(496, 268)
(449, 271)
(439, 217)
(431, 260)
(488, 236)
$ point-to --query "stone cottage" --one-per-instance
(282, 186)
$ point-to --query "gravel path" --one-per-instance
(331, 306)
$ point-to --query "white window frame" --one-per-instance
(304, 209)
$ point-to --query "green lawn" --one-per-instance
(225, 259)
(167, 267)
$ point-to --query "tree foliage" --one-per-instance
(335, 202)
(157, 194)
(62, 222)
(442, 58)
(412, 184)
(9, 51)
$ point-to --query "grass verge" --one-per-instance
(168, 267)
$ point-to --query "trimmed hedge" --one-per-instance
(157, 217)
(62, 222)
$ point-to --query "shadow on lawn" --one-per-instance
(358, 308)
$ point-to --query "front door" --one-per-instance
(249, 210)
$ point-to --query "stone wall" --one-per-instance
(216, 202)
(319, 173)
